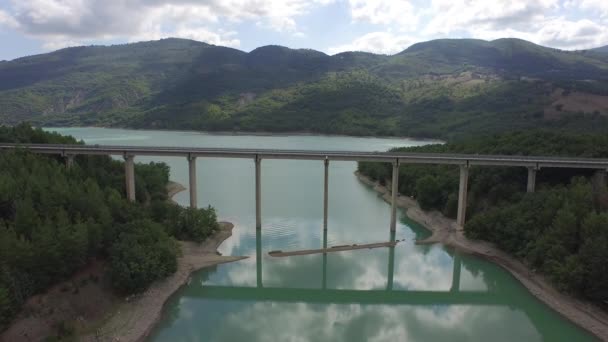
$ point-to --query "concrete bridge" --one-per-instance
(463, 161)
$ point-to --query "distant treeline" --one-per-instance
(54, 220)
(561, 229)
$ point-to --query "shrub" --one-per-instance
(196, 224)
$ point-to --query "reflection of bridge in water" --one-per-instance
(537, 314)
(341, 296)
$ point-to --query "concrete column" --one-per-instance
(391, 264)
(69, 160)
(130, 177)
(599, 179)
(325, 194)
(462, 195)
(258, 258)
(258, 193)
(394, 191)
(192, 177)
(324, 278)
(600, 191)
(531, 179)
(456, 273)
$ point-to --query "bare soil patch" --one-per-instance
(80, 302)
(575, 102)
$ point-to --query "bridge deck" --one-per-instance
(405, 158)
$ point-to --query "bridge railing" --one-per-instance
(464, 161)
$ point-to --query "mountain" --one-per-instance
(441, 88)
(511, 56)
(602, 49)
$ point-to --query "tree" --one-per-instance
(143, 253)
(429, 193)
(594, 256)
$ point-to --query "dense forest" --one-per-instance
(446, 88)
(559, 230)
(54, 220)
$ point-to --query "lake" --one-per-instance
(405, 293)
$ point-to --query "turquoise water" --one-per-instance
(405, 293)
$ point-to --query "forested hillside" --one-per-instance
(442, 88)
(559, 230)
(55, 220)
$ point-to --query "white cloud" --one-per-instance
(454, 15)
(555, 32)
(68, 22)
(399, 12)
(568, 34)
(376, 42)
(57, 43)
(591, 5)
(7, 20)
(396, 23)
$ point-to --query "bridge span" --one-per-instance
(463, 161)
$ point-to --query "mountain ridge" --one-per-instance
(437, 88)
(603, 48)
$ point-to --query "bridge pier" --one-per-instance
(324, 276)
(258, 193)
(462, 195)
(600, 189)
(456, 273)
(258, 258)
(599, 179)
(130, 177)
(394, 192)
(531, 179)
(391, 263)
(325, 193)
(69, 160)
(192, 178)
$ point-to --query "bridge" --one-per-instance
(463, 161)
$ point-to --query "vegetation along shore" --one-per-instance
(552, 240)
(68, 235)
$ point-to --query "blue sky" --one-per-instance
(37, 26)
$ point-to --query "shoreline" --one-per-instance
(174, 188)
(445, 231)
(137, 316)
(111, 317)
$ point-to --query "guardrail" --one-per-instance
(464, 161)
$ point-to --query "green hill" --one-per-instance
(440, 88)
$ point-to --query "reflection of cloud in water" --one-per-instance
(361, 269)
(310, 322)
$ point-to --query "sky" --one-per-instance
(30, 27)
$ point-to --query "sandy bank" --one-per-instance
(333, 249)
(445, 231)
(136, 317)
(174, 188)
